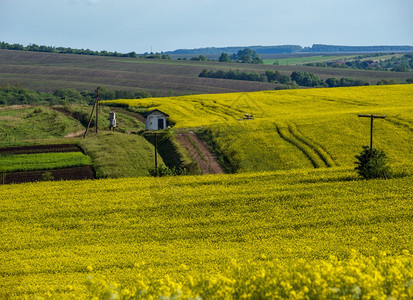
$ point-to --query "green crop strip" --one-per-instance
(43, 161)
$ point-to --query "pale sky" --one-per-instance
(163, 25)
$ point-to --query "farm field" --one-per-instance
(34, 131)
(43, 161)
(294, 221)
(48, 72)
(296, 129)
(123, 230)
(298, 60)
(306, 59)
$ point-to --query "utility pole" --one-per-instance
(156, 154)
(97, 109)
(96, 104)
(372, 117)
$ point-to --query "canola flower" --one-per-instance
(203, 110)
(294, 129)
(56, 233)
(359, 277)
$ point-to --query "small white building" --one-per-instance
(155, 120)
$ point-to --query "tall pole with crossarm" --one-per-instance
(372, 117)
(96, 104)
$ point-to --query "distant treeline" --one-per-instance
(68, 50)
(280, 49)
(396, 64)
(258, 49)
(335, 48)
(233, 74)
(17, 94)
(246, 56)
(296, 78)
(295, 49)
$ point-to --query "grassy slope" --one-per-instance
(47, 72)
(113, 154)
(117, 155)
(124, 123)
(200, 221)
(30, 124)
(291, 127)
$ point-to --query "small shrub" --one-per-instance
(47, 176)
(165, 171)
(372, 163)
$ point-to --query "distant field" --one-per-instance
(305, 60)
(295, 129)
(48, 72)
(300, 60)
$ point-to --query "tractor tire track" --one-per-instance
(317, 148)
(399, 122)
(318, 157)
(285, 134)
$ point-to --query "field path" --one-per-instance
(200, 152)
(75, 134)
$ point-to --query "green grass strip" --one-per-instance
(42, 161)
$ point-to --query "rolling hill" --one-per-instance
(306, 226)
(294, 129)
(50, 71)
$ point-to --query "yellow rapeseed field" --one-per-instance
(302, 225)
(294, 129)
(291, 233)
(203, 110)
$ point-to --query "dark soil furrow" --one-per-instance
(76, 173)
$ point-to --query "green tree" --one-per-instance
(306, 79)
(248, 56)
(132, 54)
(70, 95)
(224, 57)
(372, 163)
(333, 82)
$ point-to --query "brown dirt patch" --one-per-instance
(200, 152)
(76, 173)
(75, 134)
(14, 107)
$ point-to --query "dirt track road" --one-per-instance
(200, 152)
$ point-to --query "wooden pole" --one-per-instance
(97, 110)
(90, 120)
(156, 154)
(96, 104)
(372, 117)
(371, 133)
